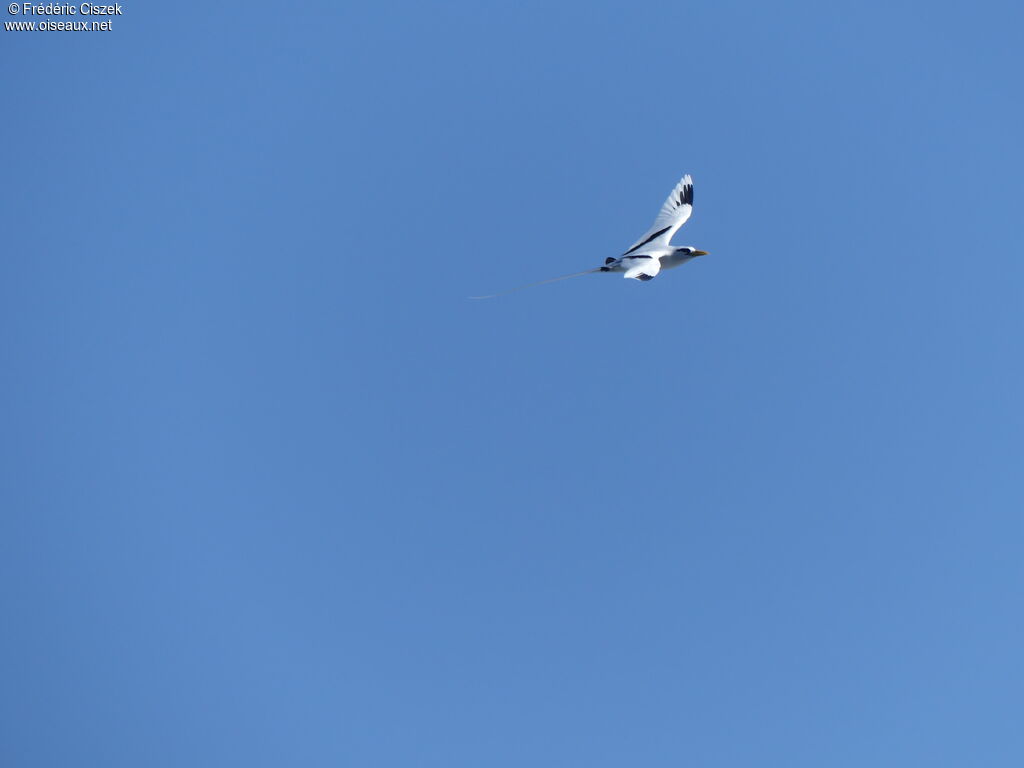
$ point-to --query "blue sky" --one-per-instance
(275, 493)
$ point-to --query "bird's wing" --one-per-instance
(642, 269)
(673, 215)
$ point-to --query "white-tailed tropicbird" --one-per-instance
(652, 252)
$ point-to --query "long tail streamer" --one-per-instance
(542, 282)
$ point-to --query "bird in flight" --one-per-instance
(652, 252)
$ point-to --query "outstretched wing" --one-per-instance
(643, 268)
(673, 215)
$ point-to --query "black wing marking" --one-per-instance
(686, 195)
(657, 234)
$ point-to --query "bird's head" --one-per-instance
(689, 250)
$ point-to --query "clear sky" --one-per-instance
(274, 492)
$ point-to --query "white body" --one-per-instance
(653, 251)
(667, 256)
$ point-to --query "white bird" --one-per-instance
(652, 252)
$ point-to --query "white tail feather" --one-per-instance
(542, 282)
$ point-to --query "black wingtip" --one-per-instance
(686, 194)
